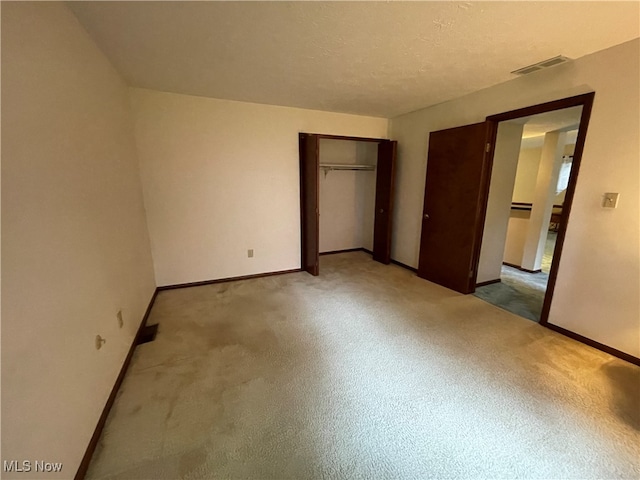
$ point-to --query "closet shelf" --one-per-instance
(338, 166)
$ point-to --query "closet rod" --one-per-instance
(327, 167)
(337, 166)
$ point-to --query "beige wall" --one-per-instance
(221, 177)
(599, 276)
(527, 172)
(347, 198)
(544, 195)
(75, 246)
(503, 174)
(524, 191)
(516, 236)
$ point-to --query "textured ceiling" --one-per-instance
(370, 58)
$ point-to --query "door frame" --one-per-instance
(586, 101)
(309, 202)
(304, 217)
(385, 183)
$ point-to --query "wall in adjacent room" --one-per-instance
(599, 273)
(503, 174)
(527, 172)
(221, 177)
(516, 236)
(75, 246)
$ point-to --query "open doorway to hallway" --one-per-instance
(526, 208)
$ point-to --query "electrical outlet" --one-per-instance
(120, 320)
(250, 253)
(610, 200)
(99, 342)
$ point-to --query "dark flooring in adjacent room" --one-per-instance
(520, 292)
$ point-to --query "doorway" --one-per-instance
(532, 163)
(351, 180)
(459, 174)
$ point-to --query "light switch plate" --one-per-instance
(610, 200)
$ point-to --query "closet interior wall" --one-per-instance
(347, 197)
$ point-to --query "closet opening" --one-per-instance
(346, 196)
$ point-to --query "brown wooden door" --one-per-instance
(309, 188)
(454, 206)
(384, 201)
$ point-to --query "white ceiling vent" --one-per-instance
(550, 62)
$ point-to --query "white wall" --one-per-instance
(527, 172)
(75, 246)
(367, 153)
(599, 276)
(544, 195)
(524, 191)
(516, 236)
(568, 150)
(503, 175)
(347, 198)
(221, 177)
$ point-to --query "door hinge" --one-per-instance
(470, 273)
(488, 148)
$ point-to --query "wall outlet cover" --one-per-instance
(610, 200)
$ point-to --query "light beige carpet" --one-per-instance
(364, 372)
